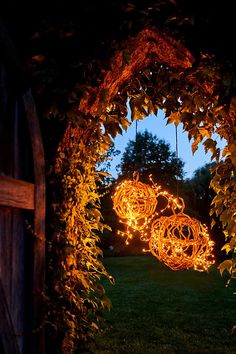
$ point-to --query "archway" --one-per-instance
(153, 70)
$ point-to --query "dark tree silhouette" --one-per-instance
(198, 197)
(150, 155)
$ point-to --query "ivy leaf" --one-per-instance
(224, 217)
(226, 265)
(113, 129)
(226, 247)
(194, 146)
(94, 325)
(137, 109)
(204, 132)
(197, 140)
(174, 117)
(232, 242)
(225, 151)
(209, 144)
(124, 123)
(213, 222)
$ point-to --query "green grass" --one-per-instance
(157, 310)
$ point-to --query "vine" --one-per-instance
(76, 297)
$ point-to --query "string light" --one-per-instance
(135, 203)
(173, 203)
(178, 241)
(181, 242)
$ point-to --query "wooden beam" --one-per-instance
(16, 193)
(38, 340)
(8, 337)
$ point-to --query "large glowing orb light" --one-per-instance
(181, 242)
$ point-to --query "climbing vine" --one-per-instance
(76, 298)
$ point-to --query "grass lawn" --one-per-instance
(157, 310)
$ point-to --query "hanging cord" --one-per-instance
(177, 156)
(135, 173)
(136, 142)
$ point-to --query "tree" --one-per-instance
(198, 196)
(150, 155)
(146, 155)
(105, 165)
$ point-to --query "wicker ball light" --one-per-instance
(135, 203)
(181, 242)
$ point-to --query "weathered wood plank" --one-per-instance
(19, 275)
(38, 344)
(8, 337)
(15, 269)
(16, 193)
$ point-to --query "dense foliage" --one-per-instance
(76, 298)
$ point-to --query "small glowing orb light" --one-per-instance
(181, 242)
(134, 202)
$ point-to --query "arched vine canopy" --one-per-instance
(83, 63)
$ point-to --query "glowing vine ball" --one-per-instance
(134, 202)
(181, 242)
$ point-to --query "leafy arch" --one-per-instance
(154, 71)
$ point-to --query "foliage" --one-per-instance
(149, 155)
(225, 205)
(76, 298)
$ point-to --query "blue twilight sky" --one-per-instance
(157, 126)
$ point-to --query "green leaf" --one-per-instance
(174, 117)
(209, 144)
(226, 265)
(195, 146)
(94, 325)
(226, 247)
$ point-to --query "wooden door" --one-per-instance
(22, 203)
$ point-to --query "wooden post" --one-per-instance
(38, 342)
(16, 193)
